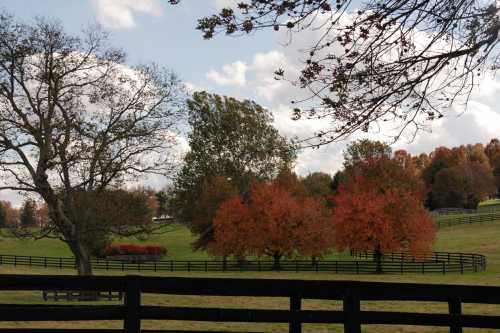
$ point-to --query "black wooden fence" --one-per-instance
(440, 262)
(468, 219)
(352, 294)
(468, 261)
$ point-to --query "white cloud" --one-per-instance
(14, 197)
(233, 74)
(192, 88)
(263, 66)
(479, 123)
(119, 14)
(219, 4)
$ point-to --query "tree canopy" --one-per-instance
(3, 215)
(370, 214)
(273, 222)
(231, 139)
(27, 215)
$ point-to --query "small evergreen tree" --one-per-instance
(28, 214)
(3, 215)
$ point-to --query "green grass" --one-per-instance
(489, 203)
(176, 239)
(480, 238)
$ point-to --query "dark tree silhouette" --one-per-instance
(73, 118)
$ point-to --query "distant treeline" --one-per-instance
(459, 177)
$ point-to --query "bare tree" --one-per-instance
(74, 118)
(376, 60)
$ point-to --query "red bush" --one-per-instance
(133, 249)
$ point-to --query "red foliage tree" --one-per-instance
(370, 216)
(231, 224)
(274, 223)
(213, 193)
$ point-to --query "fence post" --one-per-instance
(295, 326)
(455, 309)
(351, 306)
(132, 323)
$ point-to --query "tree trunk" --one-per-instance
(71, 233)
(224, 263)
(83, 261)
(84, 268)
(377, 257)
(314, 259)
(276, 263)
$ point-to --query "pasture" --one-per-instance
(480, 238)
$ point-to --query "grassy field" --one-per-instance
(176, 239)
(489, 203)
(480, 238)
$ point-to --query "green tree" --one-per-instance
(162, 200)
(492, 150)
(449, 189)
(3, 215)
(363, 150)
(103, 214)
(27, 218)
(318, 184)
(231, 139)
(339, 178)
(463, 185)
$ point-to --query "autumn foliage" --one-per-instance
(274, 222)
(370, 216)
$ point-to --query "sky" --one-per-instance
(152, 31)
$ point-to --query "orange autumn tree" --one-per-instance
(371, 216)
(231, 227)
(275, 223)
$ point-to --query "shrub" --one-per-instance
(133, 249)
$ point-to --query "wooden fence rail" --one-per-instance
(468, 219)
(465, 259)
(352, 294)
(438, 262)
